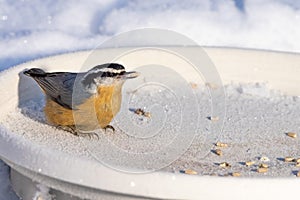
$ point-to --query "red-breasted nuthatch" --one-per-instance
(75, 100)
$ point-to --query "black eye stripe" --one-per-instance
(108, 70)
(110, 74)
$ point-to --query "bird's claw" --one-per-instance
(109, 127)
(72, 129)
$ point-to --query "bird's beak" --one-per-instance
(130, 75)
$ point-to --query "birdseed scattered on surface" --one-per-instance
(140, 111)
(292, 134)
(250, 145)
(147, 114)
(235, 174)
(214, 119)
(263, 165)
(262, 170)
(189, 171)
(218, 152)
(221, 144)
(224, 164)
(249, 163)
(264, 159)
(288, 159)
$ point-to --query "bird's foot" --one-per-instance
(109, 127)
(91, 135)
(69, 128)
(72, 129)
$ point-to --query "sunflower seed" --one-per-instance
(262, 170)
(235, 174)
(224, 164)
(249, 163)
(264, 159)
(218, 152)
(221, 144)
(288, 159)
(190, 171)
(291, 134)
(263, 165)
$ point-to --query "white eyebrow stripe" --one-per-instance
(111, 70)
(103, 70)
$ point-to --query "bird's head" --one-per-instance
(107, 75)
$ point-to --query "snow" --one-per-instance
(34, 29)
(31, 29)
(256, 118)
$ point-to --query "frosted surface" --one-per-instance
(257, 119)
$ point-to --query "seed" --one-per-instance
(235, 174)
(139, 111)
(214, 119)
(190, 171)
(218, 152)
(298, 174)
(249, 163)
(288, 159)
(221, 144)
(147, 114)
(262, 170)
(291, 134)
(297, 160)
(224, 164)
(264, 159)
(263, 165)
(297, 164)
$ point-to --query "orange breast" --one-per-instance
(96, 112)
(57, 114)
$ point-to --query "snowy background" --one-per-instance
(35, 28)
(32, 29)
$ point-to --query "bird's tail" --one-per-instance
(35, 72)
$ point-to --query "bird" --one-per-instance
(85, 101)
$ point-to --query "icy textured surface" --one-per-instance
(257, 120)
(256, 123)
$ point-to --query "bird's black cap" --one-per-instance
(34, 72)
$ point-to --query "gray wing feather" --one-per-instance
(59, 87)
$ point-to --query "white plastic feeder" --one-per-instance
(36, 169)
